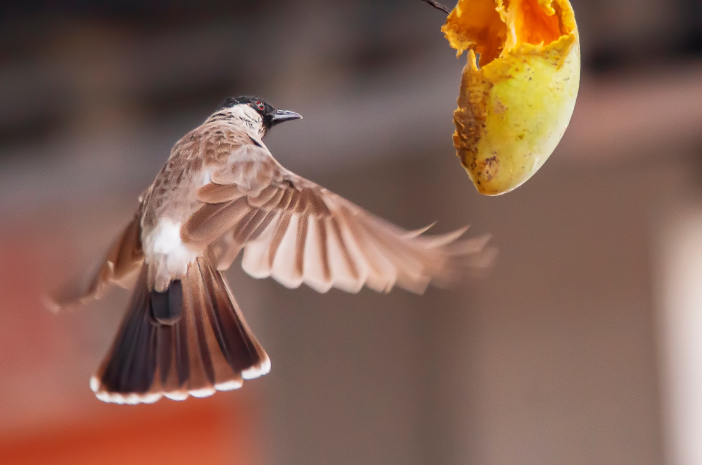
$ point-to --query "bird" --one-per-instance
(220, 194)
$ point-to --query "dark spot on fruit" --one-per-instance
(487, 169)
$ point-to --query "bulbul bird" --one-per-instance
(221, 192)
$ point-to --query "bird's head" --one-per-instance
(258, 110)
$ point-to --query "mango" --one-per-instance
(518, 90)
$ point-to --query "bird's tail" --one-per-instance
(189, 340)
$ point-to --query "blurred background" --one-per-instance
(582, 346)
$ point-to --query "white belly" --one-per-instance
(166, 253)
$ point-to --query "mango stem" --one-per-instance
(438, 6)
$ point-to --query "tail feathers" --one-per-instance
(188, 341)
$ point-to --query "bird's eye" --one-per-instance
(260, 105)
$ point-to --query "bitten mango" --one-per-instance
(518, 90)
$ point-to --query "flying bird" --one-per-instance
(221, 192)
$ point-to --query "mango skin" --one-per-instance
(513, 112)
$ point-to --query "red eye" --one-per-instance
(260, 105)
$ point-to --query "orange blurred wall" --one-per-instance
(197, 431)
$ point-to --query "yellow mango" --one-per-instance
(517, 99)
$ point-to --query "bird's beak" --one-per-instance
(281, 116)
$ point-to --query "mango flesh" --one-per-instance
(517, 99)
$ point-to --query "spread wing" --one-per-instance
(123, 259)
(297, 232)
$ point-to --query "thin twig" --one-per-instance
(438, 6)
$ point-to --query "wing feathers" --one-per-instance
(344, 269)
(217, 193)
(295, 231)
(286, 268)
(317, 272)
(213, 220)
(300, 246)
(122, 261)
(278, 237)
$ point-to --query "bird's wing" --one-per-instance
(295, 231)
(123, 259)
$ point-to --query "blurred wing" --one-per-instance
(123, 259)
(297, 232)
